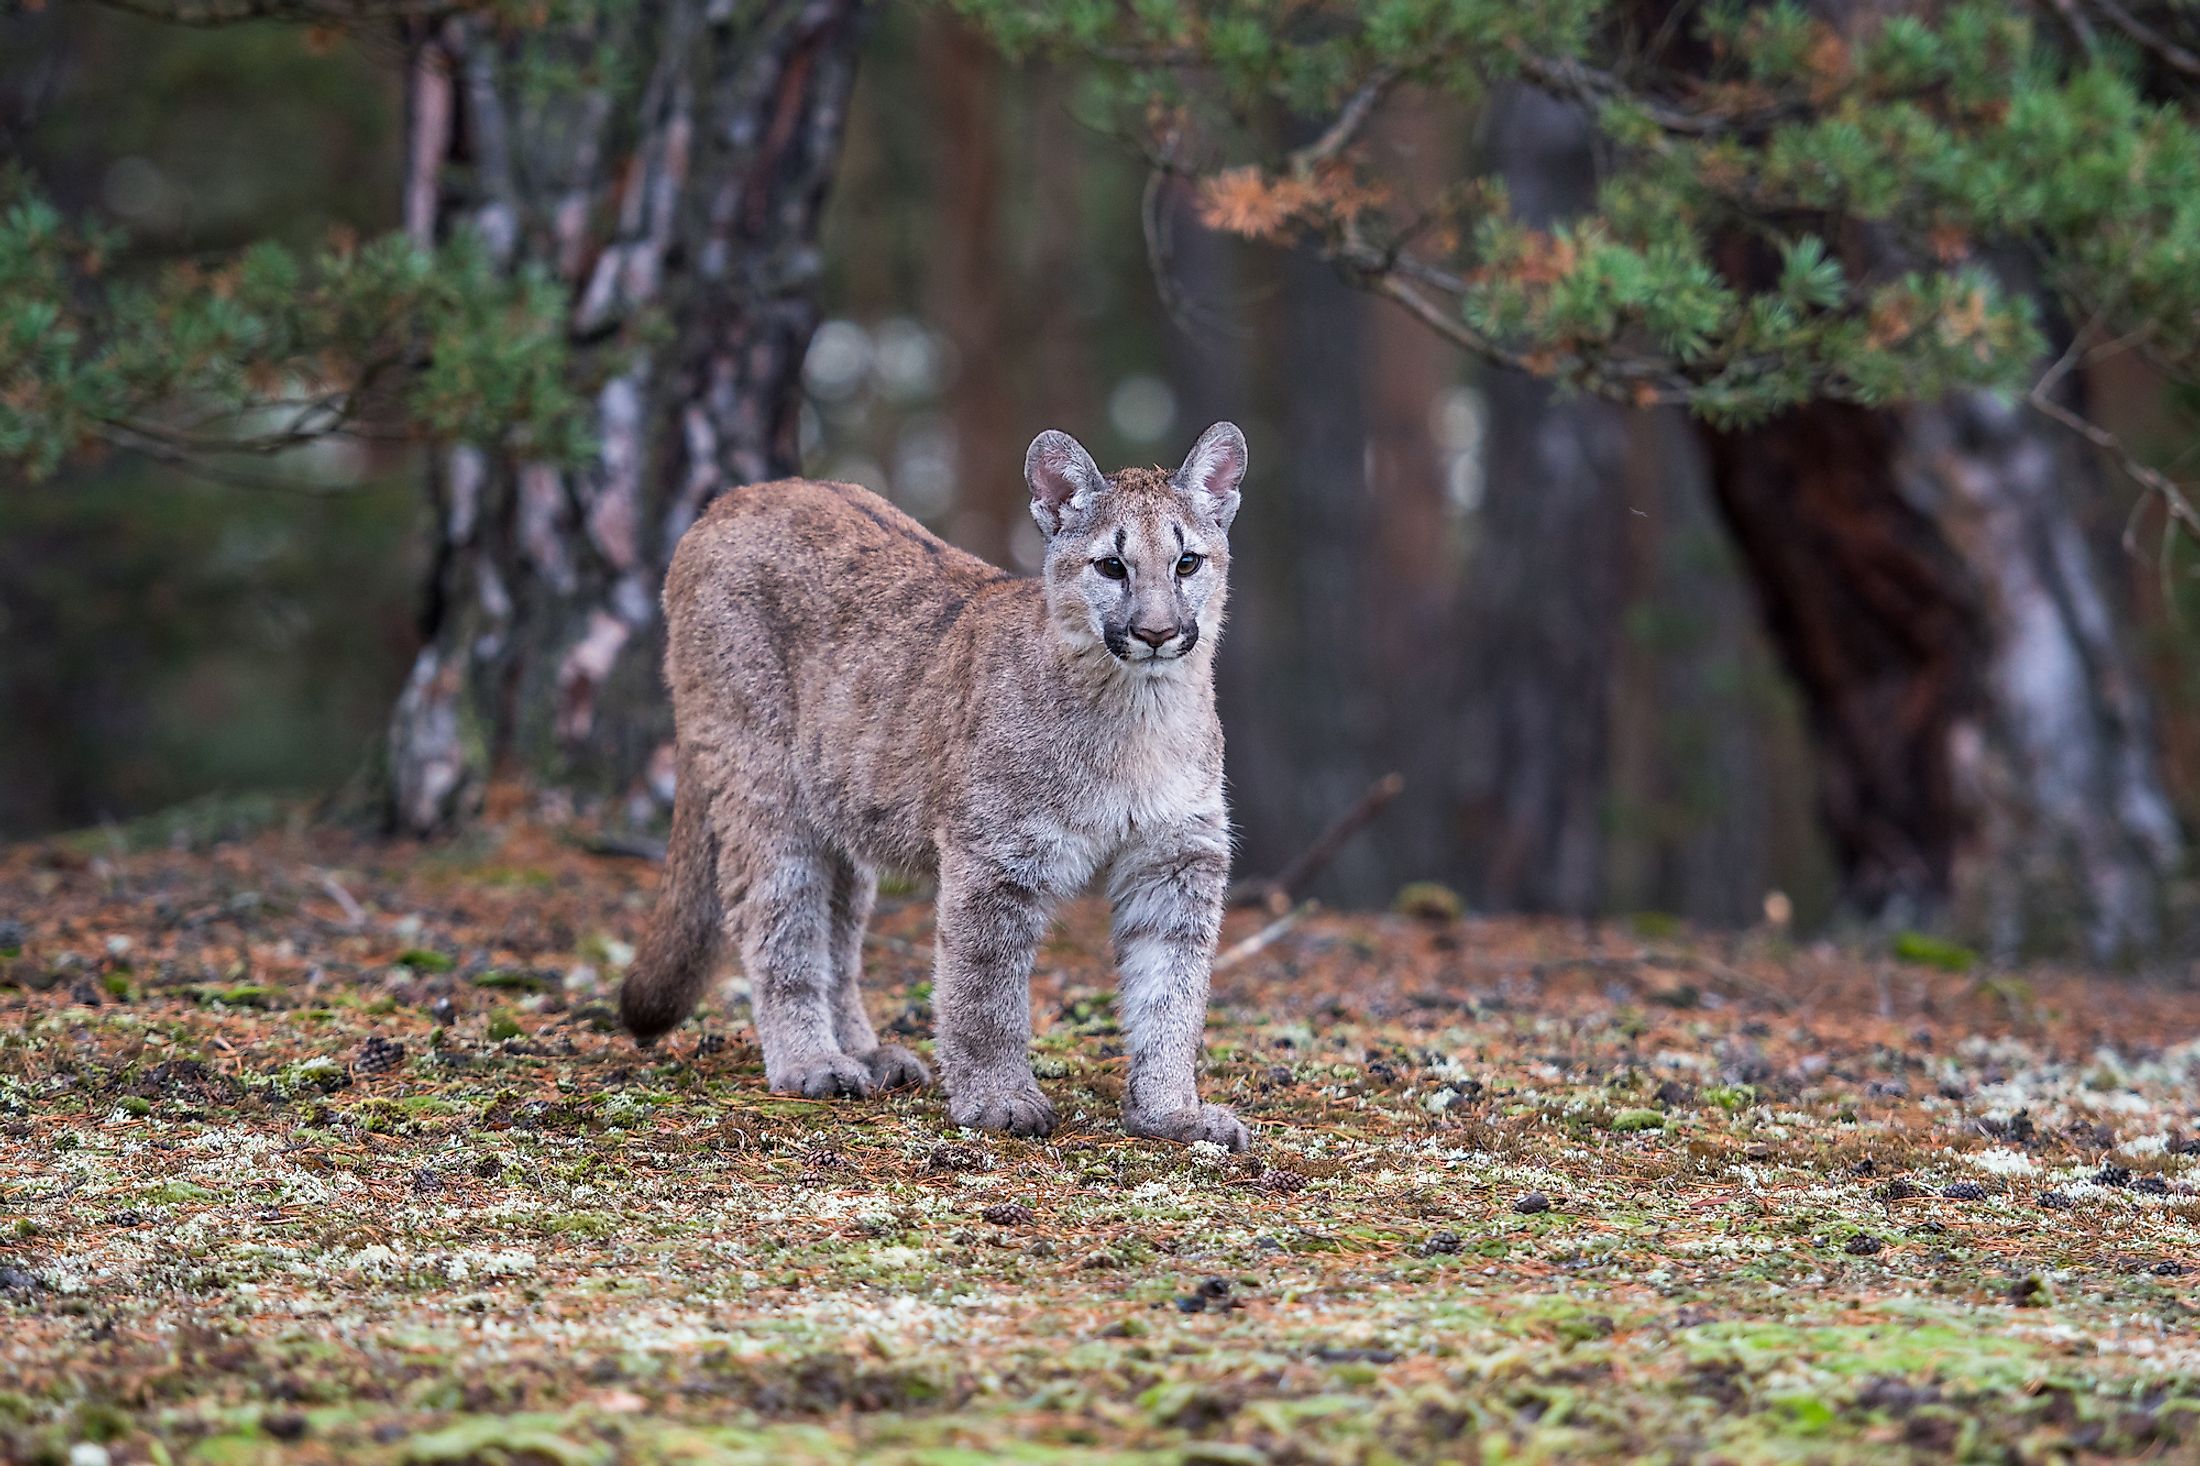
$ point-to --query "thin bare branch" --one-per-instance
(1196, 320)
(1385, 277)
(1350, 120)
(2174, 499)
(1276, 891)
(1575, 80)
(1153, 219)
(2137, 31)
(2074, 21)
(146, 442)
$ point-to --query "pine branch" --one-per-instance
(1389, 279)
(208, 13)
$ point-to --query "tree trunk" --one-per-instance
(1983, 742)
(1709, 801)
(1876, 621)
(1984, 750)
(1545, 588)
(2075, 830)
(1309, 739)
(666, 162)
(971, 288)
(1416, 553)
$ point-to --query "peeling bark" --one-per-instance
(1984, 744)
(677, 195)
(2075, 832)
(1877, 621)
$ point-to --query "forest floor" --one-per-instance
(317, 1149)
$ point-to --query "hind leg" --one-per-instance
(890, 1066)
(782, 900)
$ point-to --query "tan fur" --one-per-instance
(852, 694)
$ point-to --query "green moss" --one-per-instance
(579, 1224)
(513, 877)
(1932, 951)
(235, 1448)
(505, 1440)
(1730, 1097)
(192, 825)
(1430, 901)
(317, 1073)
(1805, 1414)
(505, 980)
(240, 995)
(606, 951)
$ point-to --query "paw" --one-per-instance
(1021, 1110)
(1211, 1123)
(825, 1076)
(893, 1067)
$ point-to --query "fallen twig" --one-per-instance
(1632, 966)
(1732, 977)
(628, 847)
(1277, 891)
(355, 915)
(1263, 939)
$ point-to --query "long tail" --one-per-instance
(674, 963)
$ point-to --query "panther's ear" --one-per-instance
(1064, 480)
(1213, 470)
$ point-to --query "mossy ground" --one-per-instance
(318, 1150)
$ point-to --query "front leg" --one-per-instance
(1167, 891)
(989, 931)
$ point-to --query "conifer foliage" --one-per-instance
(1876, 160)
(267, 350)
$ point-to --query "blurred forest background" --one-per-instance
(1547, 612)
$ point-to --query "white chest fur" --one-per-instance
(1158, 774)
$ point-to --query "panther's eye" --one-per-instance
(1187, 563)
(1112, 568)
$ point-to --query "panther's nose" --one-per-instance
(1154, 636)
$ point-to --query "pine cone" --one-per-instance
(379, 1055)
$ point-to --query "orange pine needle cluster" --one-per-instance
(1252, 204)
